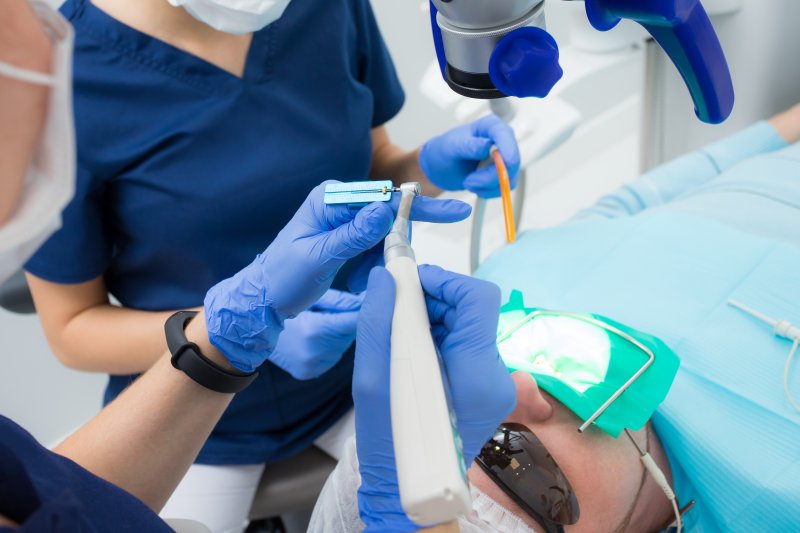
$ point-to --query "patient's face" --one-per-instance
(605, 473)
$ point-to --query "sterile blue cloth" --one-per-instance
(186, 173)
(748, 181)
(669, 270)
(47, 493)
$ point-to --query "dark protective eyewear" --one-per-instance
(517, 461)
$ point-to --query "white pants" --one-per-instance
(220, 496)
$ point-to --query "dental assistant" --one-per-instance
(117, 471)
(201, 127)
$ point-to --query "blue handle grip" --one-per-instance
(684, 31)
(438, 43)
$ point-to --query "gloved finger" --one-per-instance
(371, 371)
(439, 333)
(486, 194)
(369, 227)
(471, 301)
(471, 148)
(484, 125)
(502, 136)
(437, 311)
(441, 314)
(484, 183)
(373, 222)
(487, 178)
(318, 217)
(427, 209)
(334, 301)
(359, 275)
(337, 325)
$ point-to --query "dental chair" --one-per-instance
(289, 489)
(15, 295)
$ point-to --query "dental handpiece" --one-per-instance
(430, 465)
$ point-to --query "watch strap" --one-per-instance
(187, 357)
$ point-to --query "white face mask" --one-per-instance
(235, 16)
(50, 183)
(488, 515)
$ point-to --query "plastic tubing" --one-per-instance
(505, 192)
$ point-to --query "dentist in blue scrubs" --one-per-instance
(202, 125)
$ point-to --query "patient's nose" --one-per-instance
(531, 403)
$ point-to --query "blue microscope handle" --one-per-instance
(684, 31)
(438, 43)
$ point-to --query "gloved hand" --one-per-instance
(463, 312)
(245, 313)
(314, 341)
(451, 160)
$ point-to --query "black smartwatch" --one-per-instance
(186, 356)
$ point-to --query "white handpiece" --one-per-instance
(427, 446)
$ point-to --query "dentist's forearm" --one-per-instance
(146, 439)
(450, 527)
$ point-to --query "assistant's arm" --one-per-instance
(671, 180)
(451, 161)
(23, 107)
(86, 332)
(146, 439)
(392, 162)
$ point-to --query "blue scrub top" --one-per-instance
(186, 173)
(44, 492)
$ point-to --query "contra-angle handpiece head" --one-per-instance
(397, 243)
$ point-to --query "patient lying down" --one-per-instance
(664, 255)
(589, 460)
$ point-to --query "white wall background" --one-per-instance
(35, 390)
(763, 46)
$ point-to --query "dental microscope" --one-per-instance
(492, 49)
